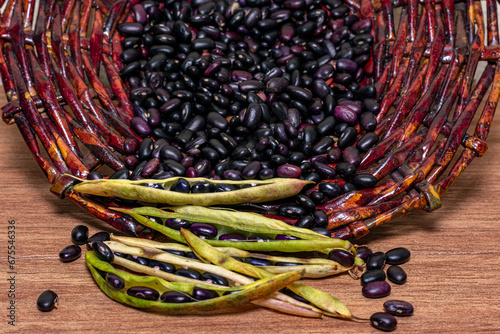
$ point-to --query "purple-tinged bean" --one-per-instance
(232, 237)
(345, 114)
(115, 281)
(376, 289)
(363, 252)
(143, 293)
(282, 237)
(330, 190)
(398, 308)
(177, 224)
(202, 167)
(342, 257)
(288, 171)
(70, 253)
(140, 126)
(176, 297)
(204, 294)
(325, 170)
(160, 265)
(213, 278)
(347, 138)
(204, 230)
(351, 155)
(102, 251)
(320, 217)
(383, 321)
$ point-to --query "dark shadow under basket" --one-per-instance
(63, 85)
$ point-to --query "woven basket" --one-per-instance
(63, 85)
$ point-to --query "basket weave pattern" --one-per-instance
(63, 85)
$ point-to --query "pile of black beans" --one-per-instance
(248, 90)
(375, 285)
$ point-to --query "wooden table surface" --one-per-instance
(453, 275)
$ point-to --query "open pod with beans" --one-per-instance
(172, 277)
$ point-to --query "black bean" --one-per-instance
(221, 187)
(345, 170)
(102, 251)
(398, 308)
(292, 211)
(213, 278)
(115, 281)
(376, 261)
(177, 224)
(351, 155)
(204, 294)
(348, 187)
(250, 85)
(99, 236)
(286, 264)
(160, 265)
(305, 202)
(372, 276)
(320, 217)
(170, 153)
(47, 301)
(182, 186)
(342, 257)
(305, 222)
(251, 170)
(79, 234)
(383, 321)
(130, 29)
(175, 297)
(190, 273)
(266, 174)
(299, 93)
(288, 171)
(396, 274)
(257, 262)
(143, 293)
(331, 190)
(202, 188)
(204, 230)
(232, 237)
(376, 289)
(397, 255)
(363, 252)
(70, 253)
(202, 167)
(362, 181)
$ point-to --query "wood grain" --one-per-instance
(453, 281)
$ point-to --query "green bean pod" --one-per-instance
(277, 301)
(320, 299)
(251, 292)
(323, 244)
(314, 267)
(251, 191)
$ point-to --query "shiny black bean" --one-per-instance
(221, 187)
(102, 251)
(253, 116)
(47, 301)
(397, 255)
(325, 170)
(99, 236)
(299, 93)
(140, 126)
(232, 237)
(204, 230)
(348, 187)
(251, 170)
(277, 85)
(115, 281)
(371, 105)
(372, 276)
(204, 294)
(323, 145)
(320, 217)
(383, 321)
(305, 222)
(266, 174)
(216, 120)
(143, 293)
(145, 149)
(398, 308)
(363, 253)
(202, 167)
(170, 153)
(79, 234)
(202, 188)
(177, 224)
(318, 197)
(362, 181)
(376, 261)
(70, 253)
(163, 266)
(367, 141)
(305, 202)
(213, 278)
(95, 176)
(286, 264)
(258, 262)
(347, 138)
(396, 274)
(362, 26)
(342, 257)
(190, 273)
(129, 55)
(182, 186)
(233, 175)
(250, 85)
(376, 289)
(292, 211)
(175, 297)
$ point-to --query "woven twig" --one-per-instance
(423, 69)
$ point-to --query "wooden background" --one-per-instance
(453, 274)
